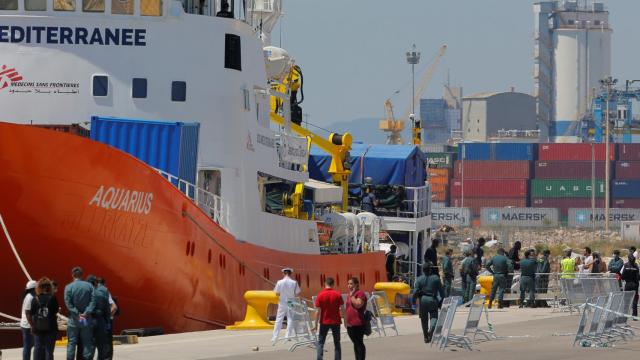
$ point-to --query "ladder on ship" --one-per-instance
(212, 204)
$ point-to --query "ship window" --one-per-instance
(139, 88)
(8, 4)
(93, 5)
(151, 7)
(122, 7)
(100, 85)
(232, 53)
(178, 91)
(35, 5)
(64, 5)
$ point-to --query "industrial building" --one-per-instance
(442, 116)
(572, 54)
(485, 115)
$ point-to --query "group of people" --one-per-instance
(90, 307)
(333, 311)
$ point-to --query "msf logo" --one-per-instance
(8, 76)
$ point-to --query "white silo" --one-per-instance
(573, 53)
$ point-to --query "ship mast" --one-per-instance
(264, 15)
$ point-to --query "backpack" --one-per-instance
(41, 320)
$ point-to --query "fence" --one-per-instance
(603, 320)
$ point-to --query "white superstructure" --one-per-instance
(572, 54)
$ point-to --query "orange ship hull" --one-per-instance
(166, 261)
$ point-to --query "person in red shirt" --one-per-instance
(330, 304)
(356, 306)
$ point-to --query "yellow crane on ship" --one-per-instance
(337, 145)
(393, 126)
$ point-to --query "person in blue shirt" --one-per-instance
(369, 200)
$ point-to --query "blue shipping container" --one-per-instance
(169, 146)
(497, 151)
(625, 189)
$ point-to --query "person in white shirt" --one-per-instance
(286, 288)
(27, 336)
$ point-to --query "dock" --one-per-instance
(523, 333)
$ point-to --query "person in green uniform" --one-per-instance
(425, 292)
(615, 266)
(101, 317)
(470, 268)
(542, 276)
(499, 267)
(80, 301)
(528, 267)
(447, 272)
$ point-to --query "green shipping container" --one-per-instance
(565, 188)
(440, 160)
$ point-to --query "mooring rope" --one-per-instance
(13, 248)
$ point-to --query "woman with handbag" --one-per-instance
(43, 320)
(355, 317)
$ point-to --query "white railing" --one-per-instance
(212, 204)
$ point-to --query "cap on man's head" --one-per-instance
(287, 269)
(31, 284)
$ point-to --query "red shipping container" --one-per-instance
(626, 203)
(570, 169)
(477, 204)
(628, 170)
(477, 169)
(629, 152)
(564, 204)
(575, 152)
(500, 188)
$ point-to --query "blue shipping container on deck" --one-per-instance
(497, 151)
(385, 164)
(169, 146)
(628, 189)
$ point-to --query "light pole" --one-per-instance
(608, 83)
(413, 58)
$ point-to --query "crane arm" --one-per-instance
(338, 146)
(426, 78)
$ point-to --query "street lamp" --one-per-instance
(413, 58)
(609, 84)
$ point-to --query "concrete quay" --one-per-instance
(524, 333)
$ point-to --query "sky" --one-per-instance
(352, 52)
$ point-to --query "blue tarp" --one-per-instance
(385, 164)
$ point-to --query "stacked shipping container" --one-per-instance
(625, 190)
(439, 166)
(565, 176)
(492, 175)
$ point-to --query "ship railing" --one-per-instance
(217, 209)
(416, 204)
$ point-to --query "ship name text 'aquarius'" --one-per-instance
(72, 35)
(123, 199)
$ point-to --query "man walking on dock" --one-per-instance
(329, 301)
(286, 289)
(499, 267)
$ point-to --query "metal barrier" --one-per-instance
(383, 312)
(300, 320)
(603, 320)
(578, 290)
(437, 331)
(447, 337)
(472, 326)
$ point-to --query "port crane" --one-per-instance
(393, 126)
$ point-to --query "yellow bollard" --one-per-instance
(391, 289)
(256, 316)
(485, 282)
(62, 342)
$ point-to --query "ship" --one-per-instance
(176, 257)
